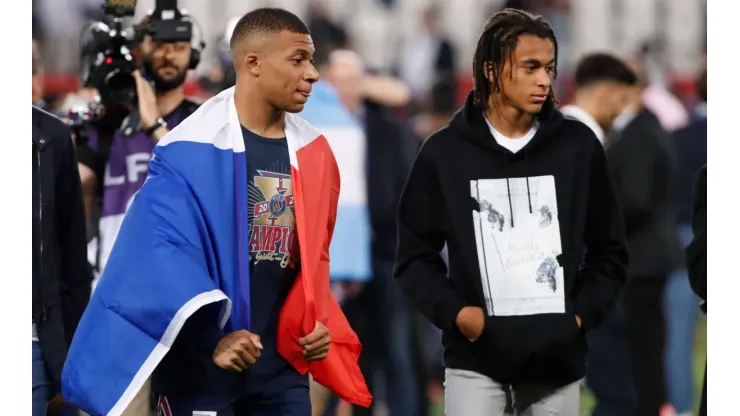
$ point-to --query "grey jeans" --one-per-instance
(468, 393)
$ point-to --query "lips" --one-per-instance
(539, 97)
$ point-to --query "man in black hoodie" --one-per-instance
(526, 204)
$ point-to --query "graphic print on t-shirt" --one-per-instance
(518, 264)
(273, 236)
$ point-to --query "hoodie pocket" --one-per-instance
(511, 342)
(503, 342)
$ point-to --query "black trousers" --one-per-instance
(644, 312)
(625, 360)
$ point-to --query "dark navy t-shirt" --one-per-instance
(188, 369)
(273, 252)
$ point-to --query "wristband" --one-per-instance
(157, 124)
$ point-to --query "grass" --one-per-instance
(588, 402)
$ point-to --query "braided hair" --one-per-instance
(496, 45)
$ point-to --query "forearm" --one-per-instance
(386, 91)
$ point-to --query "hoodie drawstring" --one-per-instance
(508, 191)
(511, 207)
(529, 196)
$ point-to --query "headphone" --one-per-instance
(197, 40)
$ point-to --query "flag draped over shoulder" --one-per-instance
(184, 245)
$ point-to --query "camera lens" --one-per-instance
(120, 86)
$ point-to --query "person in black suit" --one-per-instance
(696, 257)
(642, 157)
(61, 275)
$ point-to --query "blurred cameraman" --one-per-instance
(121, 160)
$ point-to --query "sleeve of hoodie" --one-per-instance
(420, 271)
(604, 268)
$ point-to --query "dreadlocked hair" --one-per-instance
(496, 45)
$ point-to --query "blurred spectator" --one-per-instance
(426, 56)
(656, 97)
(350, 267)
(438, 113)
(602, 84)
(61, 276)
(324, 31)
(389, 159)
(680, 300)
(642, 157)
(378, 313)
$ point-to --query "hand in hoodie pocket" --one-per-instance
(507, 344)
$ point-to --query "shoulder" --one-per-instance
(203, 124)
(692, 132)
(50, 125)
(573, 130)
(189, 106)
(302, 134)
(438, 144)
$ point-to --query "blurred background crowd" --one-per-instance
(401, 68)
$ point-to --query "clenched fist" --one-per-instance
(237, 351)
(316, 344)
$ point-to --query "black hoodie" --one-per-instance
(440, 204)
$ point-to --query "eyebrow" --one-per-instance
(533, 61)
(302, 51)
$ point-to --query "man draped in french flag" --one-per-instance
(217, 287)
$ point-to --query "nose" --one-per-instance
(169, 52)
(543, 79)
(312, 75)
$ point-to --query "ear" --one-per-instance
(253, 62)
(488, 69)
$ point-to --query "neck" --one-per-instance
(586, 104)
(510, 121)
(590, 107)
(168, 101)
(256, 114)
